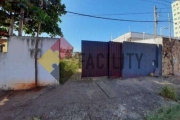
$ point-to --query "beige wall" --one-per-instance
(3, 41)
(5, 47)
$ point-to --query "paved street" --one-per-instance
(102, 99)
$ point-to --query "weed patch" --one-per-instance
(68, 67)
(169, 92)
(168, 113)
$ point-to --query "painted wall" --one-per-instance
(5, 47)
(140, 59)
(5, 44)
(17, 65)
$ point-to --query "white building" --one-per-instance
(176, 17)
(133, 36)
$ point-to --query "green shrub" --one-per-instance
(168, 113)
(68, 67)
(169, 92)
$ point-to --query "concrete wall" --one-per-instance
(151, 41)
(169, 58)
(17, 65)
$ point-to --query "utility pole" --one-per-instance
(169, 27)
(155, 22)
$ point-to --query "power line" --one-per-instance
(92, 16)
(155, 2)
(165, 1)
(145, 13)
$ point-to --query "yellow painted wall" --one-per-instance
(5, 47)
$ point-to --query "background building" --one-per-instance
(176, 17)
(133, 36)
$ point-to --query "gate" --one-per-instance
(95, 58)
(115, 58)
(125, 59)
(141, 59)
(101, 59)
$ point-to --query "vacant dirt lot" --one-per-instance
(116, 99)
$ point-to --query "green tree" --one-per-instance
(39, 16)
(55, 10)
(21, 13)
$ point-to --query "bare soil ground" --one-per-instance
(100, 99)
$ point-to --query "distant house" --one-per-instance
(3, 45)
(133, 36)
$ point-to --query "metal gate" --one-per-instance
(115, 58)
(125, 59)
(95, 58)
(141, 59)
(101, 59)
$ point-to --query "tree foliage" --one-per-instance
(46, 11)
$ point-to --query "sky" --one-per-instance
(76, 28)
